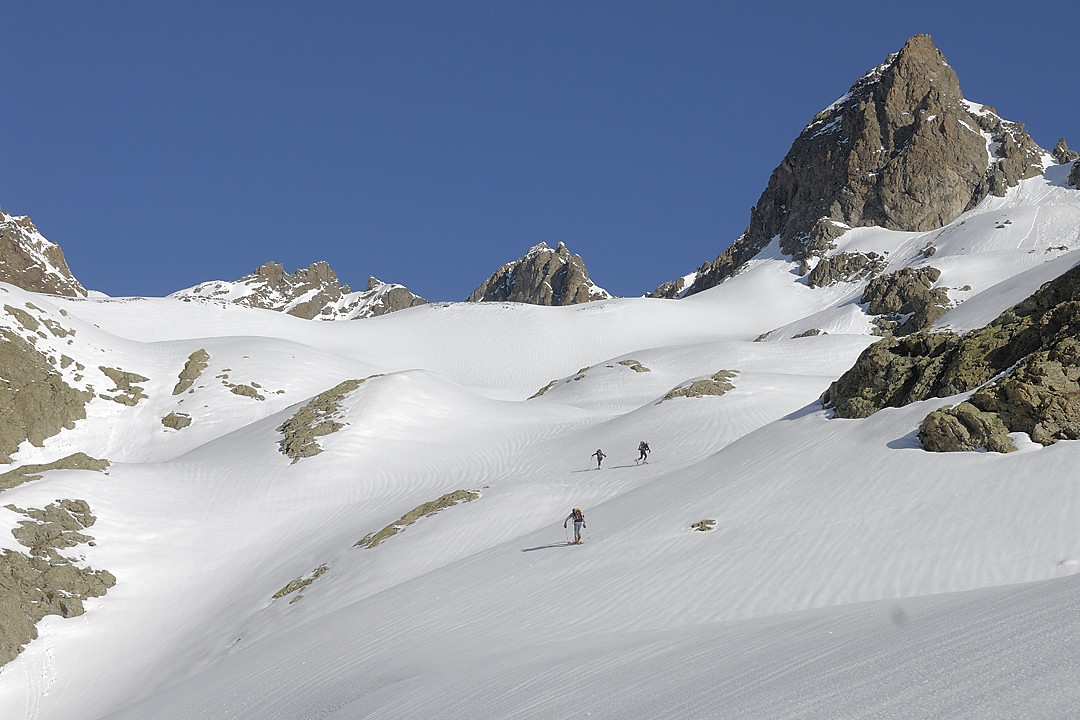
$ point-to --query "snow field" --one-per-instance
(849, 574)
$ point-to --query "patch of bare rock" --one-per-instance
(44, 582)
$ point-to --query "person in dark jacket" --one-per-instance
(599, 455)
(643, 448)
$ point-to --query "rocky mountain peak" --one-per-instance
(902, 150)
(31, 262)
(542, 277)
(313, 292)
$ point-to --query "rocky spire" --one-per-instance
(1063, 154)
(543, 277)
(31, 262)
(313, 292)
(901, 150)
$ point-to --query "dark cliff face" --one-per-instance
(29, 261)
(901, 150)
(543, 277)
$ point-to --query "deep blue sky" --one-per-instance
(427, 143)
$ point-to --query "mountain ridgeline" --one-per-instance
(309, 293)
(901, 150)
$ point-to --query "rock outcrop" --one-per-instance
(718, 384)
(29, 473)
(906, 301)
(1063, 154)
(193, 368)
(44, 582)
(1074, 175)
(845, 267)
(319, 416)
(901, 150)
(35, 401)
(310, 293)
(543, 277)
(1024, 369)
(29, 261)
(427, 509)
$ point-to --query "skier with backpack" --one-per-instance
(643, 448)
(579, 522)
(599, 455)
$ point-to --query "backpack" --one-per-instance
(578, 515)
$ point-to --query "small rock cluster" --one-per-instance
(844, 267)
(906, 300)
(297, 585)
(126, 391)
(427, 509)
(717, 385)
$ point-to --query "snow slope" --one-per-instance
(849, 574)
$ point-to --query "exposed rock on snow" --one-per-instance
(300, 583)
(544, 389)
(196, 363)
(245, 390)
(717, 385)
(176, 420)
(1074, 175)
(35, 401)
(26, 473)
(310, 293)
(430, 508)
(380, 298)
(319, 416)
(1063, 154)
(543, 277)
(44, 582)
(901, 150)
(127, 392)
(634, 365)
(29, 261)
(906, 299)
(1040, 397)
(964, 427)
(845, 267)
(1035, 342)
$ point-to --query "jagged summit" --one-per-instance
(309, 293)
(542, 277)
(31, 262)
(902, 150)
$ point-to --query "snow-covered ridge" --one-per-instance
(311, 293)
